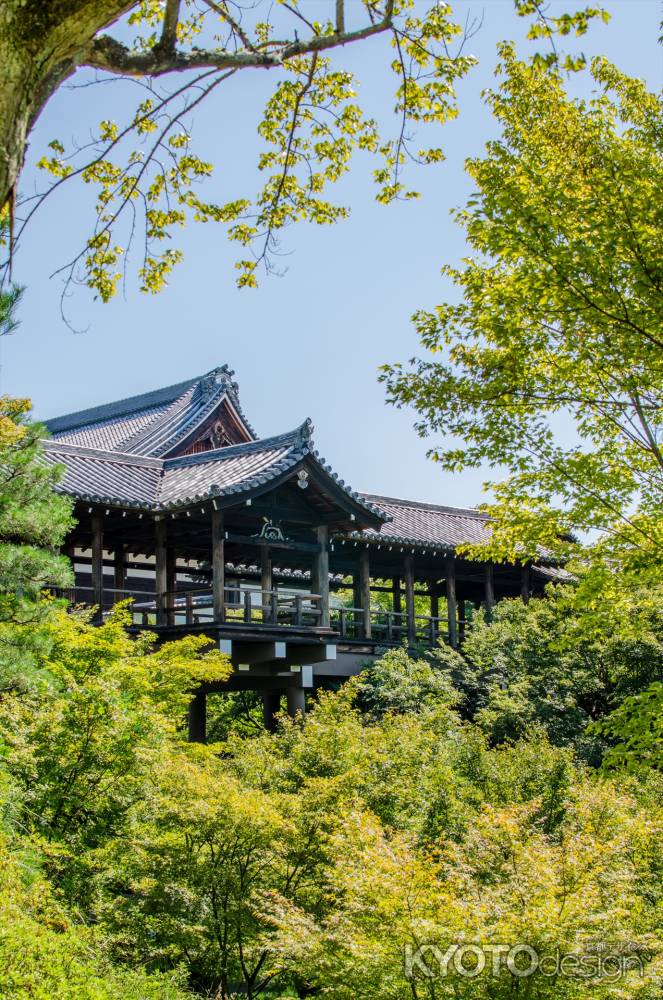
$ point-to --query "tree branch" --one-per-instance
(106, 53)
(169, 30)
(340, 17)
(223, 12)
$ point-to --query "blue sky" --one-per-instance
(307, 344)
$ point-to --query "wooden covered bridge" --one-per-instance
(258, 544)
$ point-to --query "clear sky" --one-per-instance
(306, 344)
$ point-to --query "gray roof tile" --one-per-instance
(153, 423)
(426, 524)
(126, 479)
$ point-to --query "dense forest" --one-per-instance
(484, 822)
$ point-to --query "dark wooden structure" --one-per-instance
(256, 543)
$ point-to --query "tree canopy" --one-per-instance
(182, 52)
(549, 363)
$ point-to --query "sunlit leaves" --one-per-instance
(312, 127)
(549, 365)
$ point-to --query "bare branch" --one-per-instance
(108, 54)
(222, 11)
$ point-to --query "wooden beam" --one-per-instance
(161, 570)
(408, 578)
(244, 540)
(321, 574)
(365, 592)
(452, 611)
(218, 564)
(489, 590)
(98, 566)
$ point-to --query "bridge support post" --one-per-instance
(524, 584)
(271, 705)
(198, 718)
(489, 591)
(296, 699)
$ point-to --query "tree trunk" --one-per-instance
(41, 44)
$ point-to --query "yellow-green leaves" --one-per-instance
(549, 364)
(145, 171)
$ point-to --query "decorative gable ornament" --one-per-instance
(302, 479)
(271, 532)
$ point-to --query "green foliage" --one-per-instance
(543, 664)
(311, 128)
(396, 683)
(537, 853)
(305, 859)
(637, 726)
(34, 521)
(44, 955)
(83, 751)
(558, 320)
(10, 297)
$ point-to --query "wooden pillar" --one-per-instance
(171, 585)
(408, 578)
(218, 565)
(365, 592)
(271, 705)
(160, 569)
(434, 610)
(489, 585)
(524, 584)
(266, 582)
(296, 700)
(98, 567)
(461, 622)
(119, 573)
(434, 600)
(321, 574)
(452, 611)
(396, 592)
(198, 718)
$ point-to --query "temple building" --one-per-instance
(257, 543)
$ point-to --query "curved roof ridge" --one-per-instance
(154, 423)
(84, 451)
(120, 407)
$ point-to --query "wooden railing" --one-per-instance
(250, 606)
(196, 605)
(388, 627)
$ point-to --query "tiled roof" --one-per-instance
(425, 524)
(153, 423)
(105, 477)
(124, 479)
